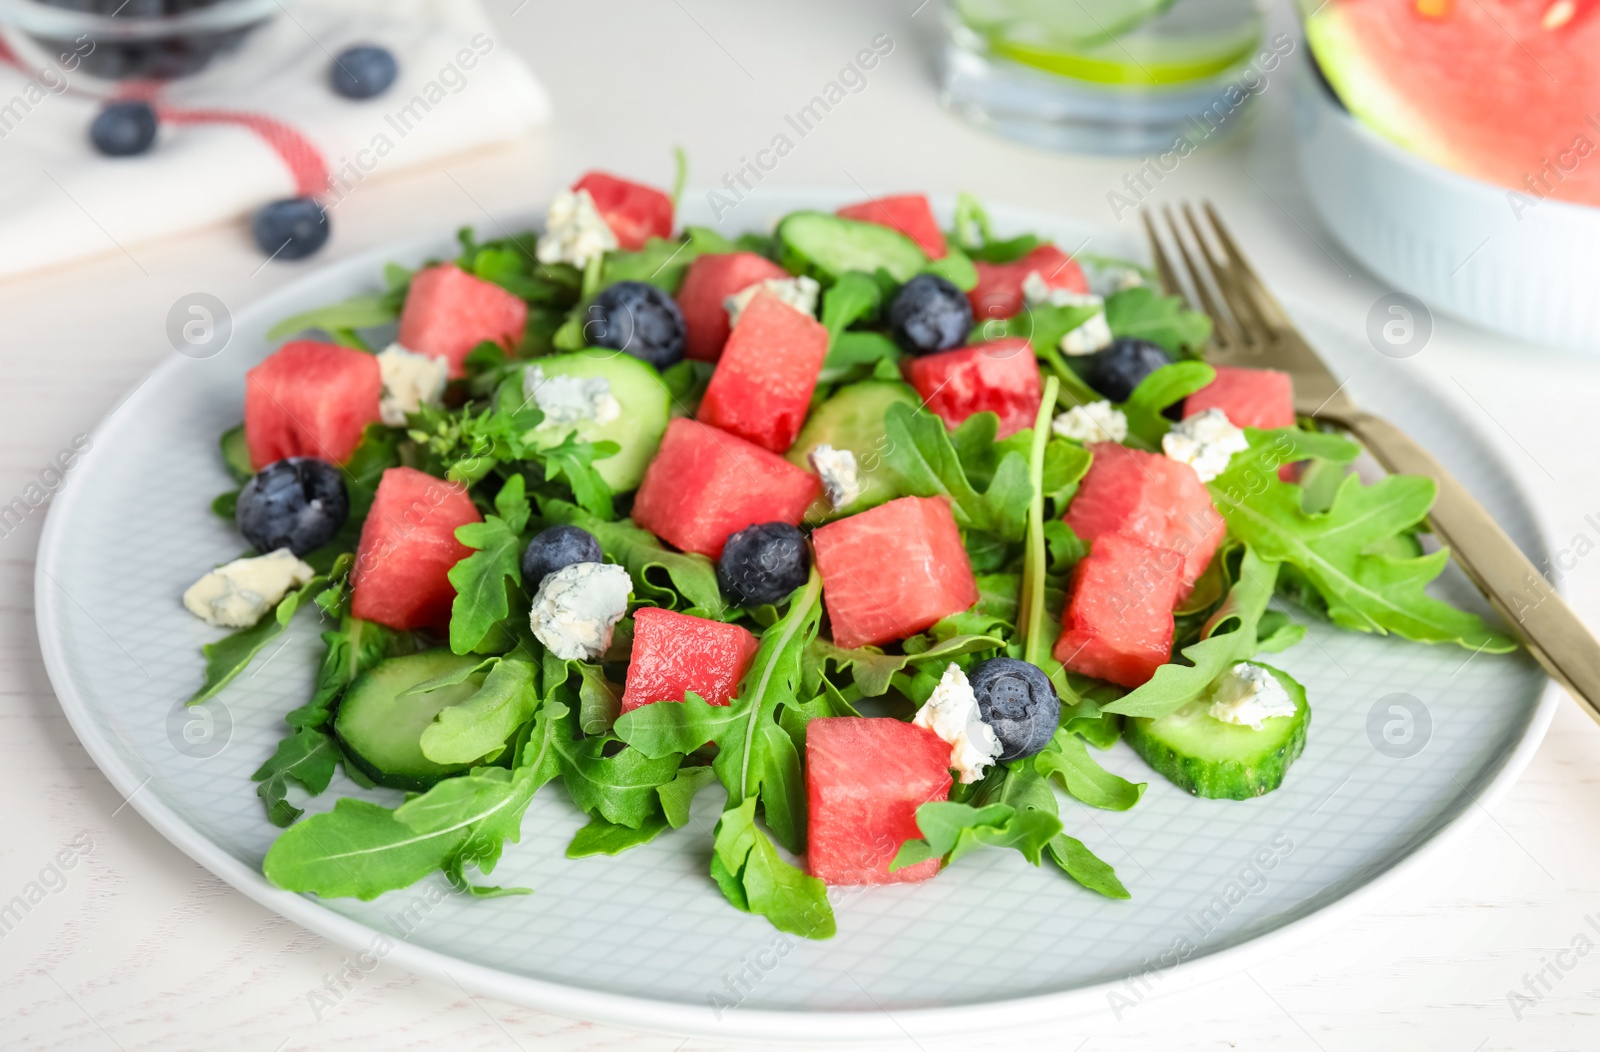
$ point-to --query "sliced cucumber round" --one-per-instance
(853, 419)
(1222, 761)
(646, 407)
(381, 725)
(827, 246)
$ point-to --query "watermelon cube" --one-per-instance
(891, 572)
(310, 399)
(633, 211)
(1261, 398)
(865, 779)
(707, 284)
(999, 294)
(908, 213)
(448, 312)
(705, 484)
(1000, 377)
(762, 387)
(1118, 623)
(675, 653)
(408, 545)
(1150, 498)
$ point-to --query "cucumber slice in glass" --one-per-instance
(1222, 761)
(853, 419)
(646, 407)
(381, 726)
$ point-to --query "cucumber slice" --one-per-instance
(1222, 761)
(646, 407)
(381, 726)
(236, 454)
(827, 246)
(853, 419)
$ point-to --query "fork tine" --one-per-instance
(1261, 299)
(1245, 318)
(1164, 272)
(1223, 332)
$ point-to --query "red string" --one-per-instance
(302, 158)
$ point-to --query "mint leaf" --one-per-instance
(921, 454)
(481, 601)
(228, 656)
(1070, 764)
(675, 580)
(1142, 313)
(748, 869)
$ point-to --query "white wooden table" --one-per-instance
(138, 948)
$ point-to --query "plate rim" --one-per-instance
(678, 1017)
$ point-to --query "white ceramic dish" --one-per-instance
(1509, 262)
(645, 939)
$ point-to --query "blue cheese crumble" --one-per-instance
(1038, 293)
(951, 712)
(1093, 422)
(410, 381)
(578, 606)
(574, 231)
(239, 594)
(1249, 695)
(837, 470)
(1206, 442)
(800, 293)
(568, 400)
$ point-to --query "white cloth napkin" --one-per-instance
(459, 88)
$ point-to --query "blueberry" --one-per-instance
(554, 548)
(298, 503)
(124, 129)
(1018, 702)
(1117, 370)
(929, 314)
(363, 71)
(290, 229)
(639, 319)
(764, 563)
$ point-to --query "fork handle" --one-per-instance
(1537, 615)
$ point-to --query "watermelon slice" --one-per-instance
(1150, 498)
(408, 545)
(705, 484)
(764, 379)
(1118, 624)
(1261, 398)
(865, 779)
(633, 211)
(998, 293)
(891, 572)
(908, 213)
(448, 312)
(310, 399)
(1507, 91)
(707, 284)
(1000, 377)
(675, 653)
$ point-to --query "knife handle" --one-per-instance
(1537, 615)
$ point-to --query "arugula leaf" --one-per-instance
(366, 311)
(851, 350)
(228, 656)
(872, 670)
(307, 756)
(479, 726)
(1065, 464)
(746, 864)
(921, 454)
(678, 794)
(1081, 864)
(951, 830)
(1142, 313)
(667, 578)
(1070, 764)
(1160, 389)
(955, 267)
(599, 702)
(600, 837)
(481, 601)
(849, 299)
(1278, 632)
(1036, 634)
(619, 786)
(661, 261)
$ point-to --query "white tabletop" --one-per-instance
(140, 948)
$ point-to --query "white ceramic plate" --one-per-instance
(645, 939)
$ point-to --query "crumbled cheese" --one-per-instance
(567, 400)
(1037, 292)
(238, 594)
(1095, 422)
(837, 470)
(1127, 278)
(576, 608)
(574, 231)
(1206, 442)
(1093, 335)
(951, 712)
(1249, 695)
(410, 381)
(800, 293)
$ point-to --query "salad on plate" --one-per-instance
(877, 529)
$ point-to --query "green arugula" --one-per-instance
(1069, 763)
(852, 297)
(1156, 392)
(342, 319)
(872, 671)
(482, 601)
(228, 656)
(951, 830)
(676, 580)
(754, 878)
(479, 726)
(850, 351)
(921, 455)
(1144, 314)
(601, 837)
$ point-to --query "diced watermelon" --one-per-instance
(1000, 377)
(310, 399)
(408, 545)
(633, 211)
(998, 293)
(705, 484)
(762, 387)
(676, 653)
(707, 284)
(891, 572)
(448, 312)
(1118, 624)
(1150, 498)
(1261, 398)
(865, 779)
(908, 213)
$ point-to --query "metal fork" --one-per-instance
(1251, 329)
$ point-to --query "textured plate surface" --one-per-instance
(645, 938)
